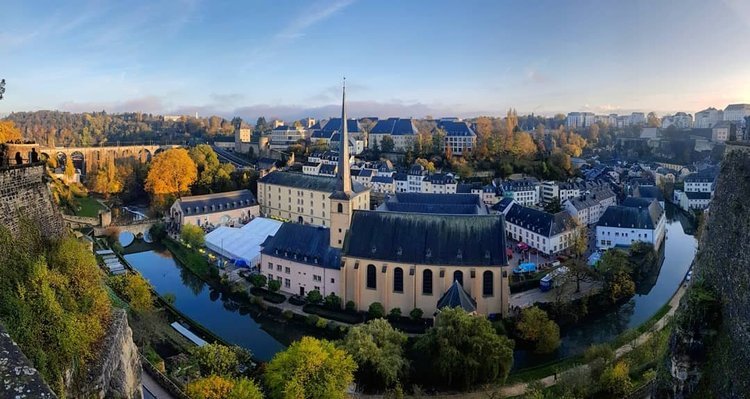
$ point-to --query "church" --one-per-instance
(424, 257)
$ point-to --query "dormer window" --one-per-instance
(399, 251)
(428, 253)
(460, 254)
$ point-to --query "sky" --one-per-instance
(286, 59)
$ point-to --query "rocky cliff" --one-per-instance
(709, 348)
(24, 191)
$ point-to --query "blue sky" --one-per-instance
(286, 58)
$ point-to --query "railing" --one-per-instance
(644, 391)
(162, 379)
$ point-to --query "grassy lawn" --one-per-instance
(88, 207)
(543, 370)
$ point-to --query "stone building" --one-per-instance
(217, 209)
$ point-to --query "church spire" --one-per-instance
(344, 173)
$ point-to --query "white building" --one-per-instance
(284, 136)
(736, 112)
(585, 209)
(722, 131)
(700, 183)
(218, 209)
(637, 219)
(301, 259)
(414, 178)
(580, 119)
(439, 183)
(524, 191)
(382, 184)
(680, 120)
(459, 136)
(708, 118)
(402, 131)
(548, 233)
(637, 118)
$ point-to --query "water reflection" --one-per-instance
(197, 301)
(677, 255)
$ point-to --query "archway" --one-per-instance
(62, 158)
(79, 161)
(144, 155)
(158, 151)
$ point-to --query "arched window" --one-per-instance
(340, 208)
(371, 277)
(488, 286)
(427, 281)
(458, 276)
(398, 280)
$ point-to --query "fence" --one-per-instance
(162, 379)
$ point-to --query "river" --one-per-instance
(198, 301)
(264, 338)
(679, 251)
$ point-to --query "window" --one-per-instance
(487, 284)
(398, 280)
(371, 276)
(340, 208)
(427, 282)
(278, 268)
(270, 265)
(287, 283)
(287, 270)
(317, 278)
(333, 281)
(458, 276)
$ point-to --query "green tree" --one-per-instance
(535, 326)
(376, 310)
(274, 285)
(258, 280)
(310, 368)
(314, 296)
(553, 206)
(333, 301)
(216, 359)
(138, 293)
(245, 388)
(579, 272)
(465, 350)
(378, 350)
(387, 144)
(192, 235)
(616, 270)
(616, 379)
(416, 314)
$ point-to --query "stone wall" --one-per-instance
(24, 191)
(117, 373)
(18, 377)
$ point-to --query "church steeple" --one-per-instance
(344, 173)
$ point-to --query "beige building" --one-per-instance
(411, 260)
(218, 209)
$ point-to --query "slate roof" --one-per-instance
(399, 176)
(307, 182)
(303, 244)
(334, 124)
(583, 202)
(440, 178)
(366, 173)
(540, 222)
(520, 185)
(266, 163)
(395, 126)
(328, 169)
(637, 213)
(201, 204)
(460, 240)
(699, 177)
(650, 192)
(321, 135)
(456, 129)
(382, 179)
(457, 297)
(698, 195)
(503, 204)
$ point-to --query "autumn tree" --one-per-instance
(216, 359)
(615, 270)
(211, 387)
(652, 120)
(580, 239)
(138, 293)
(70, 170)
(616, 379)
(535, 326)
(9, 131)
(310, 368)
(378, 349)
(579, 272)
(192, 235)
(105, 179)
(171, 173)
(464, 350)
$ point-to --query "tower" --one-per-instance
(341, 199)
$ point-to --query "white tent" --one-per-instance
(243, 243)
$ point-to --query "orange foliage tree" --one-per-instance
(9, 131)
(171, 173)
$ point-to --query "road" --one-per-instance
(152, 388)
(233, 159)
(528, 298)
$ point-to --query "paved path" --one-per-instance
(153, 387)
(528, 298)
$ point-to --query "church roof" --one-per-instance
(419, 238)
(334, 124)
(456, 297)
(303, 244)
(394, 126)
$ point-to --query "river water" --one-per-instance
(264, 338)
(679, 251)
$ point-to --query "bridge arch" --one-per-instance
(144, 155)
(79, 161)
(62, 158)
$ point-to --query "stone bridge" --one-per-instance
(86, 159)
(141, 226)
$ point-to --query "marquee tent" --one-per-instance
(242, 243)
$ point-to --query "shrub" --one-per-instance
(395, 313)
(314, 296)
(321, 323)
(333, 302)
(274, 285)
(376, 310)
(158, 232)
(416, 313)
(258, 280)
(192, 235)
(351, 306)
(288, 314)
(312, 319)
